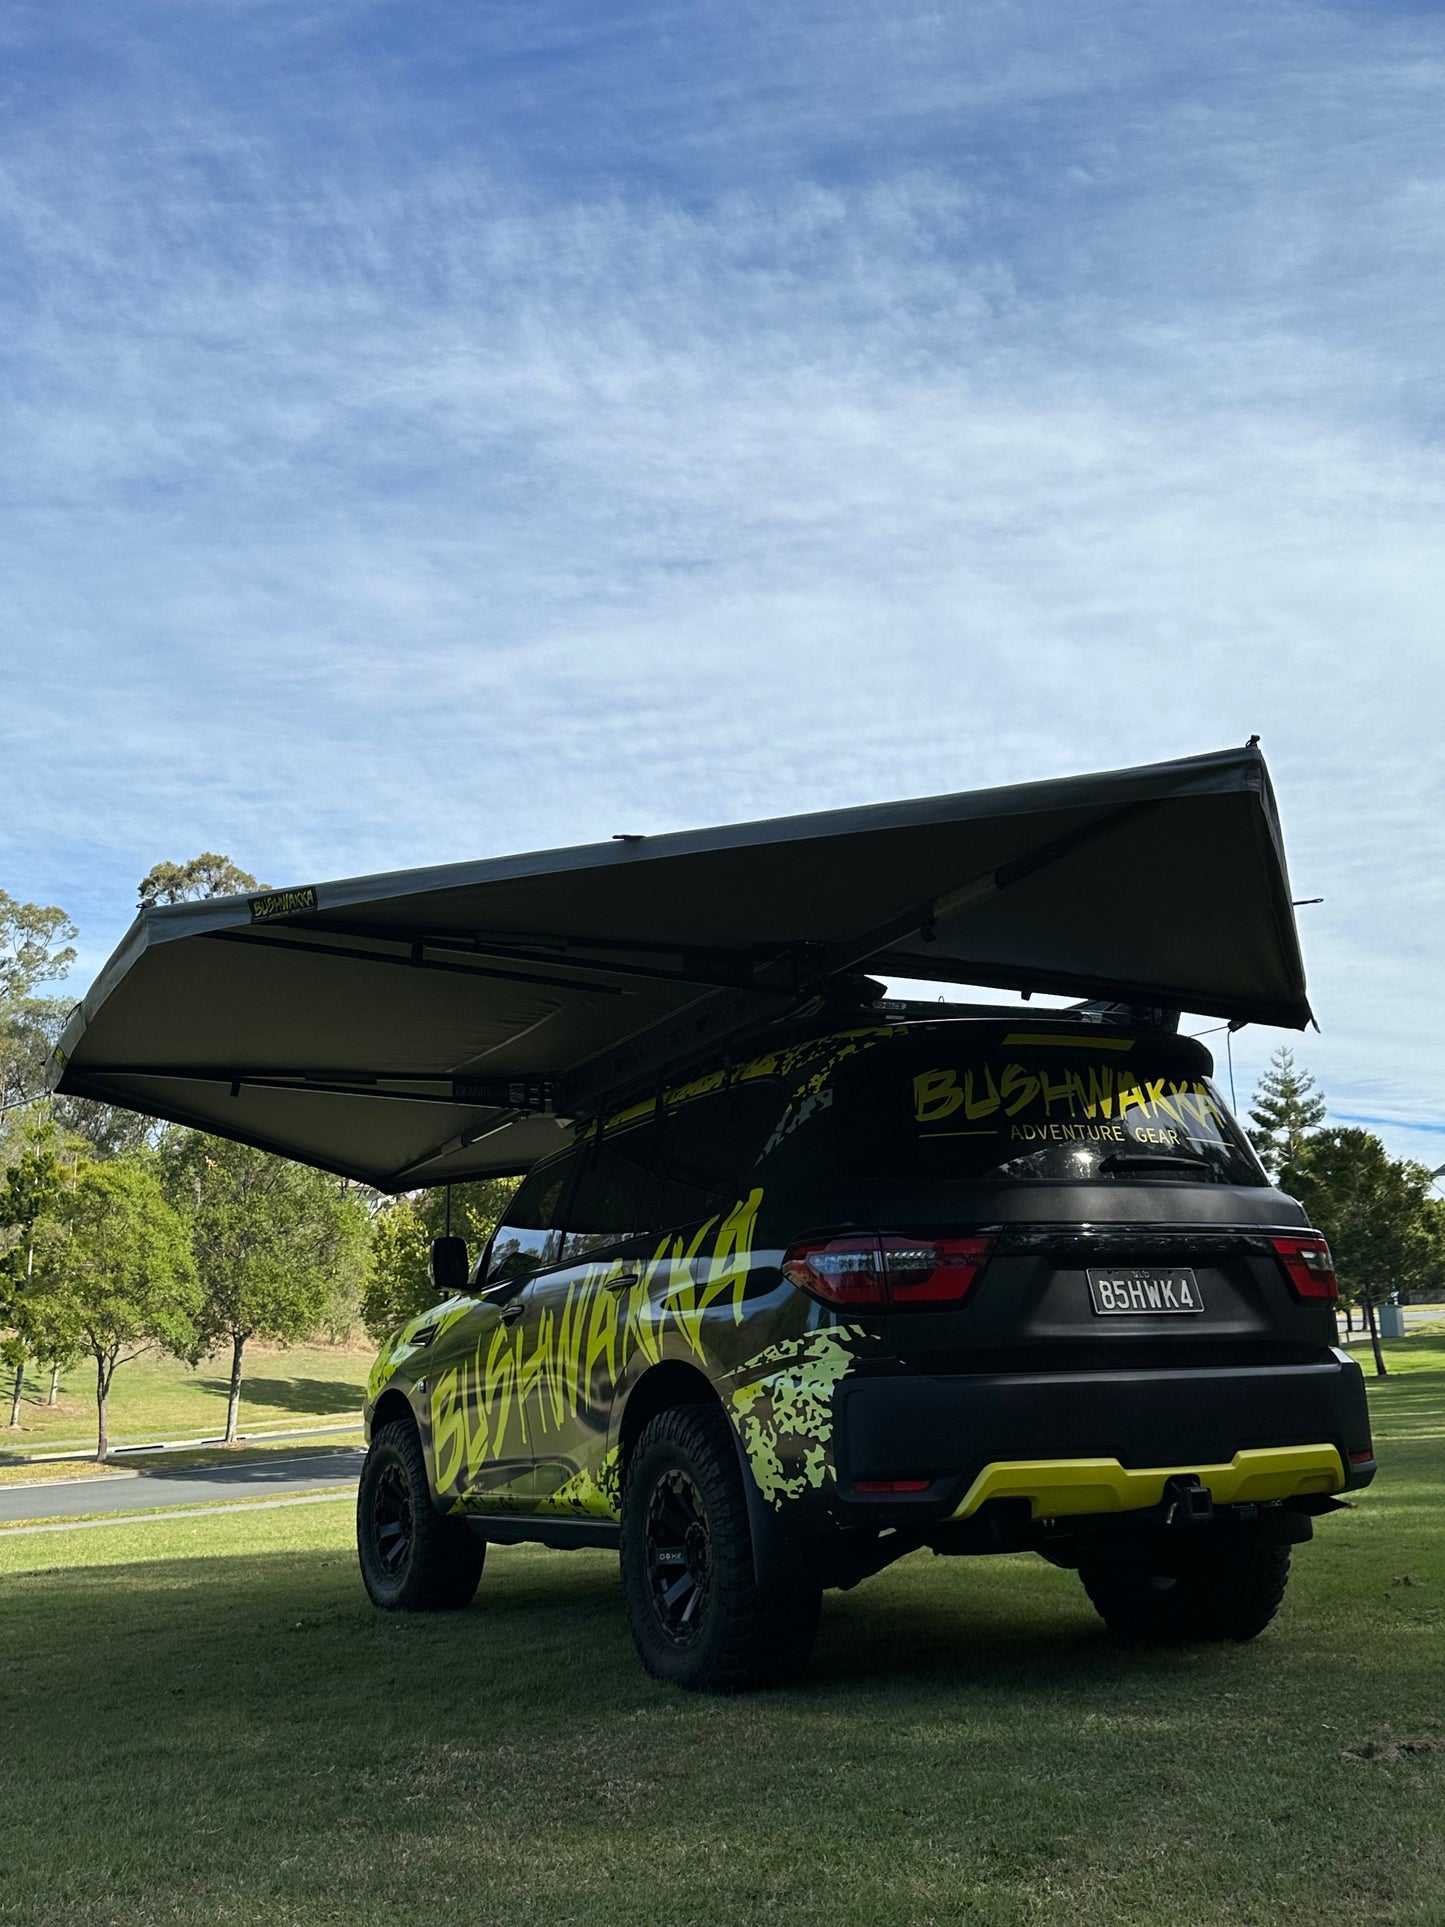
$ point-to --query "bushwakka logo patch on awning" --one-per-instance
(282, 903)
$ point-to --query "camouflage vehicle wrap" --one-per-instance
(523, 1415)
(1002, 1422)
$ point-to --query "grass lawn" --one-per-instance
(207, 1723)
(158, 1397)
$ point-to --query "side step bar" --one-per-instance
(563, 1535)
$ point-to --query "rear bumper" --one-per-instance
(1089, 1443)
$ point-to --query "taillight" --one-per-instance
(1309, 1266)
(888, 1272)
(840, 1271)
(933, 1271)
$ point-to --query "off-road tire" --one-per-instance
(1222, 1592)
(685, 1511)
(414, 1559)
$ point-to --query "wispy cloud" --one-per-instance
(432, 431)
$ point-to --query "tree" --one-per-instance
(400, 1283)
(45, 1322)
(1430, 1277)
(108, 1131)
(1371, 1208)
(29, 1027)
(1287, 1108)
(206, 875)
(35, 949)
(123, 1281)
(269, 1239)
(29, 936)
(30, 1195)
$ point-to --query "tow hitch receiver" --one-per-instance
(1187, 1502)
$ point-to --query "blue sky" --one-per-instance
(442, 429)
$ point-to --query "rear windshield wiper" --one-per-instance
(1152, 1161)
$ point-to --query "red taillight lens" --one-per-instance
(933, 1271)
(888, 1272)
(840, 1271)
(1309, 1266)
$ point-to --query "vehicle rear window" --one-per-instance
(680, 1164)
(669, 1169)
(1041, 1107)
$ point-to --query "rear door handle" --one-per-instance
(623, 1280)
(510, 1311)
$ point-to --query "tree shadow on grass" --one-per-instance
(539, 1619)
(891, 1641)
(243, 1737)
(308, 1397)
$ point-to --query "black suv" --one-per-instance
(984, 1285)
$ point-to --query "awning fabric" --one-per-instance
(432, 1024)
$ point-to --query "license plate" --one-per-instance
(1144, 1294)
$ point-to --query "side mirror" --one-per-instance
(449, 1266)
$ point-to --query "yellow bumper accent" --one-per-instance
(1062, 1488)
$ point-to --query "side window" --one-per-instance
(529, 1237)
(612, 1179)
(709, 1146)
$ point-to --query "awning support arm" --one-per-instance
(803, 973)
(413, 961)
(712, 973)
(524, 1091)
(922, 918)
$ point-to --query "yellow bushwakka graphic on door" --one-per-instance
(576, 1354)
(784, 1410)
(403, 1342)
(480, 1406)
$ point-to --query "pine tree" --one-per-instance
(1286, 1109)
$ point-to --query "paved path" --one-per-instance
(279, 1475)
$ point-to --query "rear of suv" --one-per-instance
(982, 1285)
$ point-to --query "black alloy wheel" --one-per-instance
(699, 1617)
(679, 1556)
(391, 1520)
(413, 1557)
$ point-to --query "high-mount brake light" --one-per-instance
(888, 1272)
(1308, 1266)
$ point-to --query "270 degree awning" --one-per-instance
(417, 1028)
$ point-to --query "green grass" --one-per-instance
(158, 1397)
(43, 1471)
(207, 1723)
(315, 1445)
